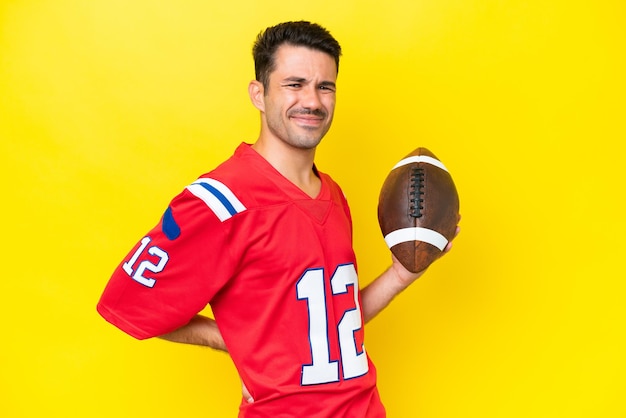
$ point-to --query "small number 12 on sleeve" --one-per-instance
(138, 274)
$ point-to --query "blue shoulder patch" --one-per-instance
(169, 226)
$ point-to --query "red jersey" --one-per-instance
(278, 270)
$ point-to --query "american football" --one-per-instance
(418, 209)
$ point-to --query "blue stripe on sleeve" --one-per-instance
(223, 200)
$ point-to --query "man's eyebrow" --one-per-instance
(303, 80)
(328, 84)
(295, 79)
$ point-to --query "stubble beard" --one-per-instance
(307, 140)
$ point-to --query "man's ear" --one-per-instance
(257, 94)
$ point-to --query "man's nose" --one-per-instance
(311, 98)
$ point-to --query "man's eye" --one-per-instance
(294, 85)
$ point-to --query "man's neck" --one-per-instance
(295, 164)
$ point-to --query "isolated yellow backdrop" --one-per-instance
(109, 107)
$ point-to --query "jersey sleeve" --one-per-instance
(177, 268)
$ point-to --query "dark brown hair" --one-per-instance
(302, 33)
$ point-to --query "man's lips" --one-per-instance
(306, 117)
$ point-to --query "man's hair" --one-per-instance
(302, 33)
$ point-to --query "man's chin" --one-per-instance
(309, 141)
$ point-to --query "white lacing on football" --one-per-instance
(416, 234)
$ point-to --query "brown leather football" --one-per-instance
(418, 209)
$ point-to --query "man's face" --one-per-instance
(300, 98)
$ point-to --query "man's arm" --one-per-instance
(378, 294)
(201, 330)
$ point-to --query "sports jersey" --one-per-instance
(278, 270)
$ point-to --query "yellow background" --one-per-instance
(109, 107)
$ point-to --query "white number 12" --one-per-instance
(137, 275)
(353, 359)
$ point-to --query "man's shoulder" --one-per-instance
(242, 178)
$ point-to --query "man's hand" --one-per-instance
(379, 293)
(246, 393)
(405, 277)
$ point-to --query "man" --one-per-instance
(266, 240)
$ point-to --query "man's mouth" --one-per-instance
(308, 117)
